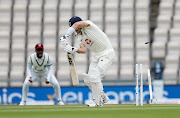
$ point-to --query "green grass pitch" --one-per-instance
(82, 111)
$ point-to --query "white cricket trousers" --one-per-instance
(101, 61)
(36, 76)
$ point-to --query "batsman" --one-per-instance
(91, 37)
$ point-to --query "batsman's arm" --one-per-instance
(75, 27)
(72, 29)
(82, 48)
(80, 24)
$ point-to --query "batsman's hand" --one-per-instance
(47, 81)
(70, 49)
(64, 40)
(65, 37)
(30, 79)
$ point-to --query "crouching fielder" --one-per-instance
(91, 37)
(39, 66)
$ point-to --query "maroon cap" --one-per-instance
(39, 45)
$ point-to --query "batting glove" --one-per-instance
(65, 37)
(70, 49)
(64, 40)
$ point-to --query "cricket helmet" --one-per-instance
(73, 20)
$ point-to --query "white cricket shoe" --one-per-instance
(94, 105)
(22, 103)
(105, 98)
(60, 102)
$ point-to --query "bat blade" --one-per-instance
(72, 68)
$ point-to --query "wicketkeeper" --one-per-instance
(39, 66)
(91, 37)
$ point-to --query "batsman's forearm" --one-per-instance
(80, 24)
(82, 50)
(70, 31)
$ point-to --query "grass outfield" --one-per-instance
(82, 111)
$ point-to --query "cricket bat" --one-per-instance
(72, 68)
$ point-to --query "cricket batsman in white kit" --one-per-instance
(91, 37)
(39, 66)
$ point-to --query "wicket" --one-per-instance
(137, 87)
(141, 85)
(150, 87)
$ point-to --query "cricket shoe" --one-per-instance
(94, 105)
(22, 103)
(60, 102)
(105, 98)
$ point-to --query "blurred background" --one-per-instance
(129, 24)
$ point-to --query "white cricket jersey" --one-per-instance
(94, 38)
(39, 65)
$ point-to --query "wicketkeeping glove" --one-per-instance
(70, 49)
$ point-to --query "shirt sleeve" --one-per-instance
(90, 22)
(49, 69)
(29, 66)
